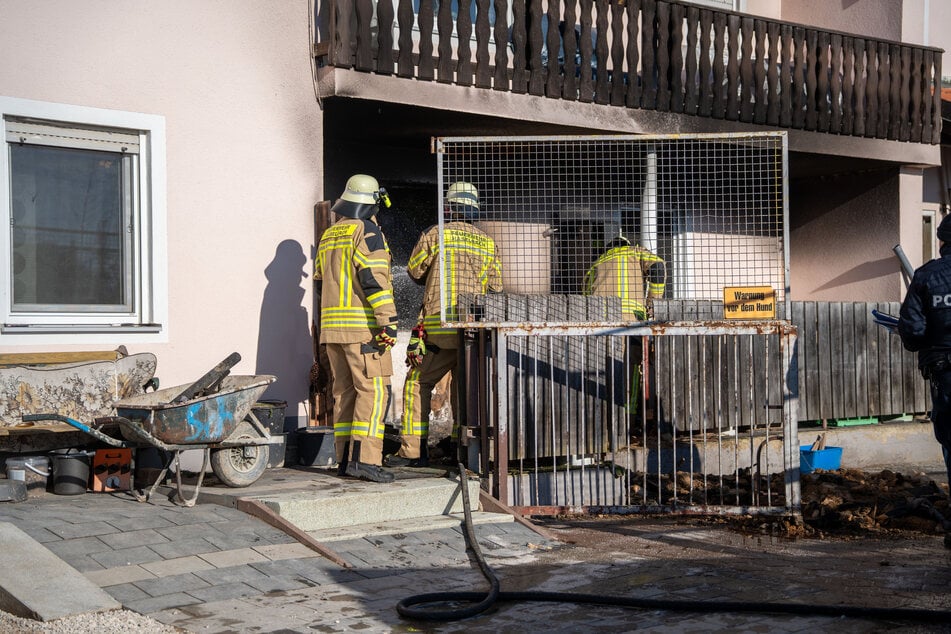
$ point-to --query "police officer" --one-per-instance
(472, 265)
(358, 325)
(925, 327)
(631, 273)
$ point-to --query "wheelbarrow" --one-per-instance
(212, 414)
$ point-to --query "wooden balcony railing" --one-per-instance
(652, 55)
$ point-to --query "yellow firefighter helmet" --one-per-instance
(463, 197)
(361, 198)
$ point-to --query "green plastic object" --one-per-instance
(852, 422)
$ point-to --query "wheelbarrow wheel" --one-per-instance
(239, 467)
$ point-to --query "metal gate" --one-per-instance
(583, 400)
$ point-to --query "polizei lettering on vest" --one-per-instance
(941, 300)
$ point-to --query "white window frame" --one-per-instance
(148, 320)
(934, 212)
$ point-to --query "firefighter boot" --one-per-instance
(422, 461)
(343, 456)
(364, 471)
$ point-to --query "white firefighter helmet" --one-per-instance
(463, 197)
(361, 198)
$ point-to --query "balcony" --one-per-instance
(650, 55)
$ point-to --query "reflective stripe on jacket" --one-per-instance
(472, 266)
(626, 272)
(353, 265)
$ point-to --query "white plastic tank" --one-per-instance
(525, 249)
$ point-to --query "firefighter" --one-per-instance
(472, 265)
(924, 325)
(630, 272)
(358, 325)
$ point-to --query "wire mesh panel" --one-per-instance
(627, 217)
(576, 426)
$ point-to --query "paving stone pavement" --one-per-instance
(212, 568)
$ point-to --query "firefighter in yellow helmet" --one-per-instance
(472, 265)
(631, 273)
(358, 325)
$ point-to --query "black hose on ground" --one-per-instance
(478, 602)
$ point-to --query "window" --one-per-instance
(929, 241)
(82, 197)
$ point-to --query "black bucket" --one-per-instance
(70, 471)
(315, 446)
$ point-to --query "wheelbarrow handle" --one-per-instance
(213, 376)
(95, 433)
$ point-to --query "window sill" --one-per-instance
(71, 329)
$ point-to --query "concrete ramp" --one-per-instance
(36, 584)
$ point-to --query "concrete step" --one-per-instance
(344, 502)
(411, 525)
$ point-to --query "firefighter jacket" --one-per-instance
(356, 295)
(925, 318)
(631, 273)
(472, 265)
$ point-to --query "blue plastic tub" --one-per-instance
(828, 459)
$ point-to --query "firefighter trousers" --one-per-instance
(361, 391)
(418, 394)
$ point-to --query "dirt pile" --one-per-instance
(849, 503)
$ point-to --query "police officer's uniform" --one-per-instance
(925, 328)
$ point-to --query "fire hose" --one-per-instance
(477, 602)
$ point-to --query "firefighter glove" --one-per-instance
(416, 349)
(386, 338)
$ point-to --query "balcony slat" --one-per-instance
(835, 86)
(425, 67)
(676, 58)
(787, 60)
(404, 62)
(662, 57)
(760, 86)
(536, 82)
(445, 72)
(905, 102)
(773, 86)
(483, 30)
(883, 74)
(733, 67)
(864, 72)
(569, 84)
(553, 44)
(876, 90)
(894, 92)
(915, 112)
(927, 65)
(811, 71)
(617, 53)
(648, 72)
(693, 83)
(823, 68)
(586, 85)
(464, 55)
(633, 98)
(747, 89)
(848, 84)
(364, 57)
(520, 61)
(602, 88)
(344, 41)
(799, 77)
(384, 61)
(718, 111)
(501, 81)
(936, 101)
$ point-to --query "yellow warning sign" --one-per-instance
(749, 302)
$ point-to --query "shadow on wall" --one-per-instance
(285, 347)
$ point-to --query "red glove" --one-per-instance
(386, 338)
(416, 349)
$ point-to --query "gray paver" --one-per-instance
(219, 592)
(171, 585)
(163, 602)
(129, 539)
(183, 547)
(125, 557)
(84, 529)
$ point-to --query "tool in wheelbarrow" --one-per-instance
(221, 424)
(210, 382)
